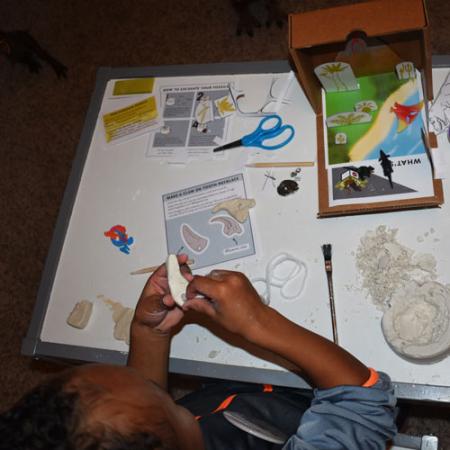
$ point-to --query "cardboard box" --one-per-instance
(316, 37)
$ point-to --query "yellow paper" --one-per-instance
(130, 119)
(134, 86)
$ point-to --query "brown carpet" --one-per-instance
(41, 119)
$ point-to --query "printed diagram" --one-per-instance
(195, 226)
(195, 117)
(230, 227)
(194, 241)
(374, 144)
(382, 114)
(439, 113)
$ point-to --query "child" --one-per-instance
(107, 407)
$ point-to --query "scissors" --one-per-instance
(263, 133)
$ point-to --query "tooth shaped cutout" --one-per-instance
(177, 282)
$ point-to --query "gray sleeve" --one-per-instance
(348, 418)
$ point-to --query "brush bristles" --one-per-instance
(326, 250)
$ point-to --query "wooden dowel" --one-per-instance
(153, 268)
(282, 164)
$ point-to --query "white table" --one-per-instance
(120, 185)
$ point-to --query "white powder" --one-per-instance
(385, 265)
(416, 320)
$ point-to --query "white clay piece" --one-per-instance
(80, 315)
(417, 325)
(176, 280)
(236, 207)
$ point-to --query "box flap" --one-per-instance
(374, 18)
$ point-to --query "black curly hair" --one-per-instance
(48, 418)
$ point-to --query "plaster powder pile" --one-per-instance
(385, 265)
(416, 321)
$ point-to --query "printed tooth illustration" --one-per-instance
(230, 227)
(193, 240)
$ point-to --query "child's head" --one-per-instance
(99, 407)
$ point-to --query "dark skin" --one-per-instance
(233, 302)
(135, 396)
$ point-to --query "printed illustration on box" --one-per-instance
(374, 120)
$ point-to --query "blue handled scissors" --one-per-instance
(263, 133)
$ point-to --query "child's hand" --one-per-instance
(156, 308)
(230, 300)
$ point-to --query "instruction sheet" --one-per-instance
(208, 238)
(195, 121)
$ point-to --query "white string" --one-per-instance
(272, 280)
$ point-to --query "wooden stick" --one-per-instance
(282, 164)
(153, 268)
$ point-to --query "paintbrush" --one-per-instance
(326, 250)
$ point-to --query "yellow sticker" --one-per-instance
(134, 86)
(130, 119)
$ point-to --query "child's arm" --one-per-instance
(156, 314)
(233, 302)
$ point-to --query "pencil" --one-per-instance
(282, 164)
(153, 268)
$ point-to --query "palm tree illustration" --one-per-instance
(347, 119)
(331, 71)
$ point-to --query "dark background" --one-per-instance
(41, 119)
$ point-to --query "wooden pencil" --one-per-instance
(153, 268)
(282, 164)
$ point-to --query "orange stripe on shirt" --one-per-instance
(373, 378)
(225, 403)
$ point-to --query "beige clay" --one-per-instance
(237, 208)
(80, 315)
(122, 317)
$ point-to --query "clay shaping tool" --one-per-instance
(153, 268)
(326, 250)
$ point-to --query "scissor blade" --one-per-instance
(233, 144)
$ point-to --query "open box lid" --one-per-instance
(316, 37)
(393, 33)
